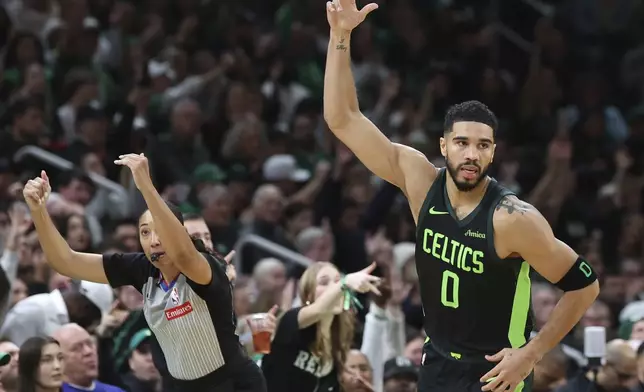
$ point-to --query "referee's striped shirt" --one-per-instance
(194, 324)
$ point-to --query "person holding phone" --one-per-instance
(187, 295)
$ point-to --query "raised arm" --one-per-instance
(60, 256)
(400, 165)
(176, 241)
(520, 229)
(361, 281)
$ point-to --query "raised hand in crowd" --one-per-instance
(20, 223)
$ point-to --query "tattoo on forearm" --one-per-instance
(341, 46)
(513, 205)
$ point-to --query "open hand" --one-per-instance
(139, 166)
(514, 365)
(363, 282)
(37, 191)
(344, 15)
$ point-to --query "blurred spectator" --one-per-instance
(550, 373)
(81, 360)
(143, 376)
(618, 373)
(400, 375)
(41, 364)
(42, 314)
(224, 100)
(9, 373)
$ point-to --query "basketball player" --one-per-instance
(476, 241)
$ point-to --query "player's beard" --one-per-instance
(465, 186)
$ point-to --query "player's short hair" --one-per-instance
(474, 111)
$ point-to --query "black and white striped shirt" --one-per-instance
(193, 323)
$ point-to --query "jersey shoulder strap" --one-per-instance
(436, 187)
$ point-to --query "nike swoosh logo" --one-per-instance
(434, 212)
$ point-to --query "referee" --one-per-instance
(187, 296)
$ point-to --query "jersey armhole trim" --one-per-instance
(430, 195)
(490, 225)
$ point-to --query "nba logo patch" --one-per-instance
(174, 296)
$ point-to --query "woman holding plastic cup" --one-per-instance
(261, 327)
(311, 342)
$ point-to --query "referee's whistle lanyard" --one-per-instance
(161, 283)
(165, 285)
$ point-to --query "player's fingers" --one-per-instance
(44, 176)
(491, 375)
(367, 9)
(329, 6)
(493, 384)
(273, 310)
(229, 257)
(496, 357)
(503, 387)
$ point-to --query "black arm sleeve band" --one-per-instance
(580, 275)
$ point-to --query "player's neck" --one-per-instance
(461, 198)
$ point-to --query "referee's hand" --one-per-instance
(138, 165)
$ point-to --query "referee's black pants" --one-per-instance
(247, 377)
(243, 377)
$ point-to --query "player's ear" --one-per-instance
(493, 151)
(443, 145)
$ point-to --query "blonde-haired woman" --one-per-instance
(311, 342)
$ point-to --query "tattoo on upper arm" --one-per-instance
(512, 205)
(341, 46)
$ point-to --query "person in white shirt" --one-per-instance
(42, 314)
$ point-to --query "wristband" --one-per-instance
(349, 296)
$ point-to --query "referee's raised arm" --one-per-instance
(177, 242)
(77, 265)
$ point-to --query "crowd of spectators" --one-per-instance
(224, 98)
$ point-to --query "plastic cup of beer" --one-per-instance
(261, 333)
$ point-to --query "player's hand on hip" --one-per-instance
(514, 366)
(138, 165)
(362, 281)
(344, 15)
(37, 191)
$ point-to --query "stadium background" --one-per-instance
(224, 97)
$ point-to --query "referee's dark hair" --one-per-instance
(474, 111)
(29, 361)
